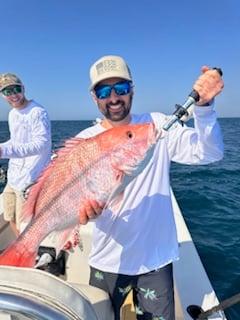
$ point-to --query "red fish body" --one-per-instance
(97, 168)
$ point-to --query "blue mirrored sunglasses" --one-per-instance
(14, 90)
(121, 88)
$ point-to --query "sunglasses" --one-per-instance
(121, 88)
(14, 90)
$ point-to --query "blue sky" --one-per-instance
(51, 45)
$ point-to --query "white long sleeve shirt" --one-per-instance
(142, 236)
(29, 146)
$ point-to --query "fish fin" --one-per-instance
(12, 257)
(68, 143)
(61, 237)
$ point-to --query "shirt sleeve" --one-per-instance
(38, 137)
(202, 144)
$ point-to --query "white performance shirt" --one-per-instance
(142, 236)
(30, 144)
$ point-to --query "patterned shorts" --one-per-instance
(153, 293)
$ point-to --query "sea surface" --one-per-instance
(209, 197)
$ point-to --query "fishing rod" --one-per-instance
(181, 113)
(197, 313)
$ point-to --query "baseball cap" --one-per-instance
(9, 79)
(109, 67)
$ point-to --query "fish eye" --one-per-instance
(129, 134)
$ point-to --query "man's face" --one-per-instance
(114, 102)
(14, 95)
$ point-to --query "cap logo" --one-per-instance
(106, 66)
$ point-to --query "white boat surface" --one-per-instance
(28, 293)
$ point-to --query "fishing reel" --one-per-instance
(182, 114)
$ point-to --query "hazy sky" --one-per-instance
(51, 45)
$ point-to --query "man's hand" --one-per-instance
(208, 85)
(90, 209)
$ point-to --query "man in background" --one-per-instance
(28, 149)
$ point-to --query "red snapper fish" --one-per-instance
(97, 168)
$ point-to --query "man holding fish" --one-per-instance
(135, 240)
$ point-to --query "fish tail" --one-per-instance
(13, 257)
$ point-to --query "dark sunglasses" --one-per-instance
(121, 88)
(14, 90)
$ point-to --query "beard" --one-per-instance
(118, 115)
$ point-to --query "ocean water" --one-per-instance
(209, 197)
